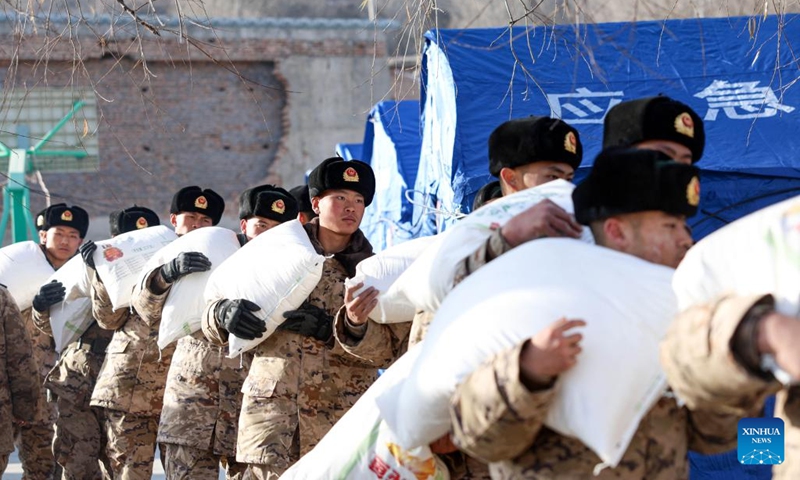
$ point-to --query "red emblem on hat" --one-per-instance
(278, 207)
(350, 175)
(141, 223)
(66, 216)
(693, 192)
(201, 202)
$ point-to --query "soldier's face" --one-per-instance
(61, 243)
(535, 174)
(657, 237)
(674, 150)
(185, 222)
(340, 211)
(255, 226)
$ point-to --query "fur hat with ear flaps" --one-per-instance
(337, 173)
(631, 180)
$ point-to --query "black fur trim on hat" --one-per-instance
(632, 180)
(195, 199)
(337, 173)
(130, 219)
(654, 118)
(300, 194)
(64, 216)
(490, 191)
(268, 201)
(41, 218)
(526, 140)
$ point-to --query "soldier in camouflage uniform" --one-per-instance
(203, 394)
(306, 375)
(130, 386)
(523, 153)
(64, 229)
(725, 357)
(19, 385)
(79, 442)
(498, 411)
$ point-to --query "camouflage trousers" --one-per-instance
(35, 445)
(79, 443)
(187, 463)
(261, 472)
(131, 445)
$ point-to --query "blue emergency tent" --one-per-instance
(738, 73)
(391, 146)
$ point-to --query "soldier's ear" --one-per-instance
(509, 178)
(173, 219)
(315, 204)
(617, 234)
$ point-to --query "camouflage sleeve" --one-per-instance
(493, 247)
(700, 365)
(494, 416)
(42, 321)
(211, 329)
(102, 308)
(22, 372)
(376, 345)
(148, 298)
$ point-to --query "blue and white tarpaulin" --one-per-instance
(391, 146)
(738, 73)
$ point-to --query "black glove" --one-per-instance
(50, 294)
(236, 317)
(310, 321)
(184, 264)
(87, 251)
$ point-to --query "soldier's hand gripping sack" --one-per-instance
(430, 278)
(757, 254)
(23, 269)
(361, 445)
(626, 302)
(277, 271)
(184, 306)
(119, 261)
(381, 271)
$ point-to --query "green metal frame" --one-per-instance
(16, 193)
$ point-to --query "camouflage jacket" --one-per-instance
(701, 368)
(75, 373)
(491, 248)
(44, 354)
(300, 384)
(134, 372)
(497, 419)
(19, 376)
(203, 396)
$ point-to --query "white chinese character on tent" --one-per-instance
(583, 106)
(741, 100)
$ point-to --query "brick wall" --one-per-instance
(226, 123)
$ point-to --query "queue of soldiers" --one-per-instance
(103, 407)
